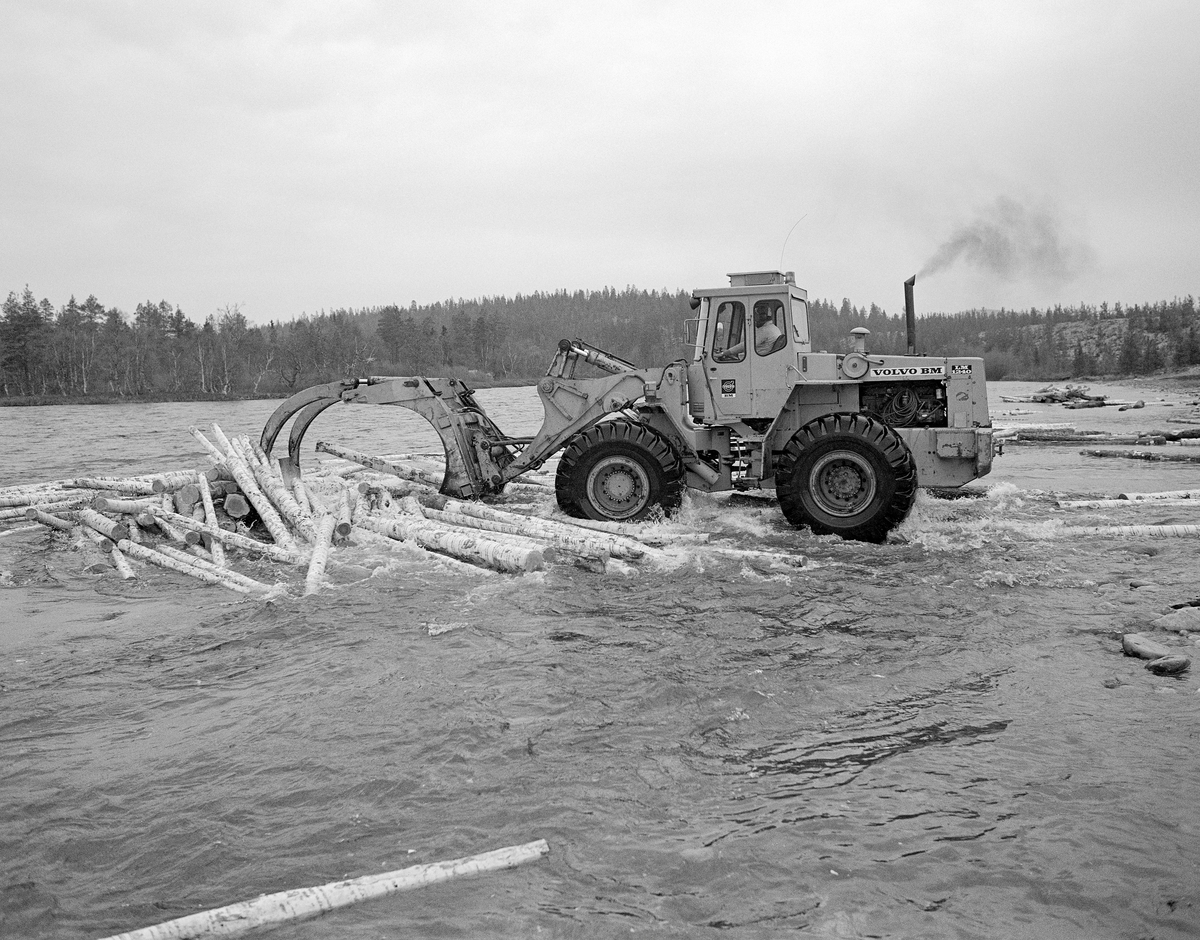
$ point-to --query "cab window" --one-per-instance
(769, 325)
(729, 344)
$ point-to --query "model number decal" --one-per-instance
(910, 370)
(961, 368)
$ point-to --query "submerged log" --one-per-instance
(307, 903)
(1144, 455)
(578, 546)
(206, 564)
(1165, 494)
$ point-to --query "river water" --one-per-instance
(936, 737)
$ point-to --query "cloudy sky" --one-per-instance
(299, 156)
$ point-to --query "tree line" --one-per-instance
(87, 351)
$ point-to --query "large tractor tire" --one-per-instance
(618, 470)
(848, 475)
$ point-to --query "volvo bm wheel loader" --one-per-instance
(844, 439)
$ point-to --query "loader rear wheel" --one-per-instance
(847, 475)
(618, 470)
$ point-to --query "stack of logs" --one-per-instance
(198, 522)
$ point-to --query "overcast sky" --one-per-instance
(293, 157)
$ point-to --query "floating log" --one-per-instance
(135, 486)
(130, 506)
(229, 539)
(208, 565)
(164, 482)
(577, 545)
(1143, 455)
(102, 524)
(266, 511)
(20, 512)
(47, 519)
(1149, 531)
(22, 528)
(1116, 503)
(210, 518)
(124, 569)
(193, 567)
(414, 474)
(769, 558)
(33, 496)
(307, 903)
(1165, 494)
(456, 544)
(316, 565)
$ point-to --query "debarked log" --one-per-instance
(455, 544)
(306, 903)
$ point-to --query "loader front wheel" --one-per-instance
(619, 471)
(847, 475)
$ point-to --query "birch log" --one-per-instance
(229, 539)
(63, 505)
(457, 545)
(33, 514)
(307, 903)
(590, 548)
(191, 567)
(124, 569)
(1149, 531)
(616, 546)
(163, 482)
(102, 524)
(245, 480)
(213, 451)
(320, 556)
(127, 485)
(433, 481)
(210, 518)
(23, 528)
(33, 497)
(205, 565)
(130, 506)
(1166, 494)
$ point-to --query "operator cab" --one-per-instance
(745, 344)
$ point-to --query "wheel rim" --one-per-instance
(842, 483)
(618, 487)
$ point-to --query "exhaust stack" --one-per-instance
(910, 315)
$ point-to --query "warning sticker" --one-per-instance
(728, 388)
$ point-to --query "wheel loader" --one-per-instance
(844, 439)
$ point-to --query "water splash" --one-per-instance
(1014, 241)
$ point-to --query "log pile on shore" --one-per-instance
(238, 523)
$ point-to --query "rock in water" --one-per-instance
(1172, 665)
(1135, 644)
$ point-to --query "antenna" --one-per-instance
(787, 236)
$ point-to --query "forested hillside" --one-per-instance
(87, 351)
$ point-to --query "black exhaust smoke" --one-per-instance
(910, 315)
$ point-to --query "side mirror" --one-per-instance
(694, 303)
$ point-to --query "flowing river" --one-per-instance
(935, 737)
